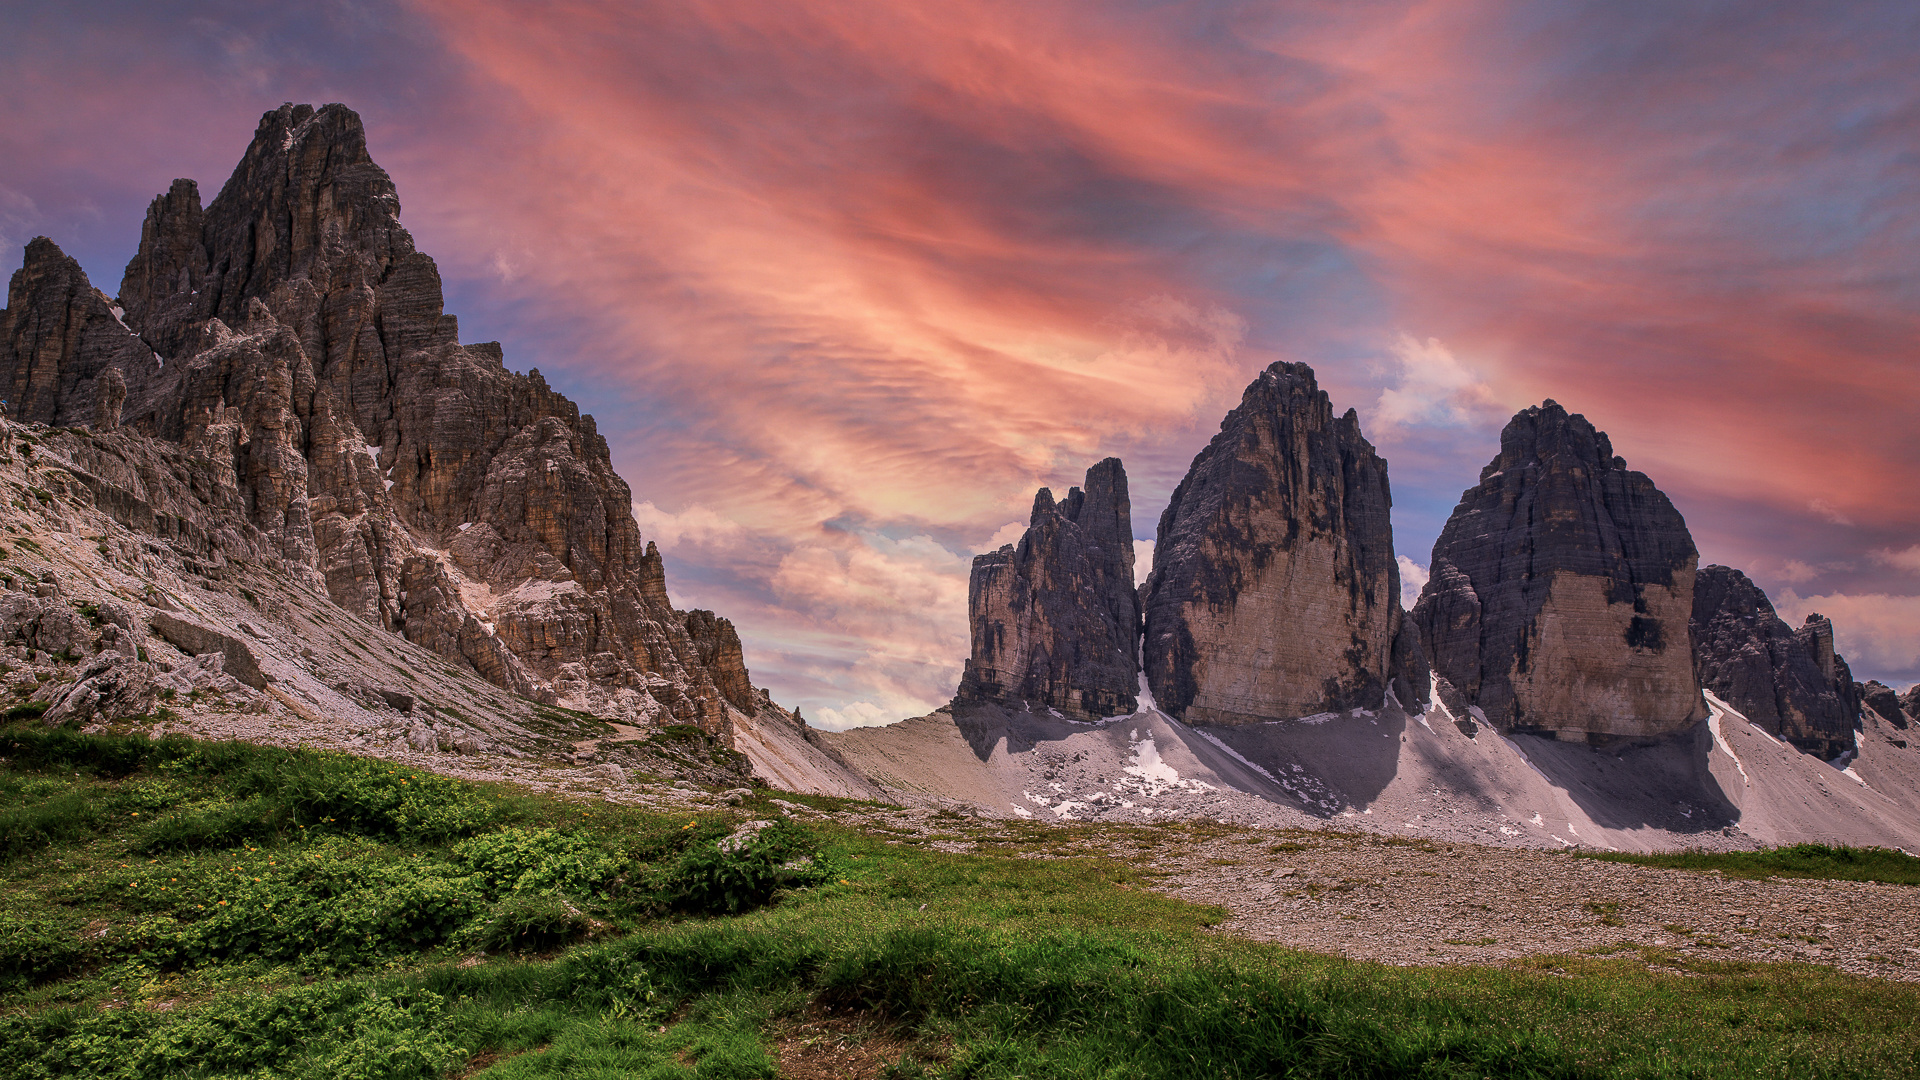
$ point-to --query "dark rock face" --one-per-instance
(1274, 590)
(1055, 620)
(1882, 699)
(1562, 590)
(291, 344)
(1790, 683)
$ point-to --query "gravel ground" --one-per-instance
(1405, 901)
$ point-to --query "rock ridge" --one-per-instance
(1791, 683)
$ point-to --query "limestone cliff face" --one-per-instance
(290, 340)
(58, 335)
(1055, 619)
(1274, 591)
(1789, 682)
(1561, 590)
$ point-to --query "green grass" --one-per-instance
(1798, 861)
(381, 922)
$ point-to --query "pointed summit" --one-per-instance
(1274, 591)
(1792, 684)
(1055, 619)
(58, 335)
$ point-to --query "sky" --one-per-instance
(843, 282)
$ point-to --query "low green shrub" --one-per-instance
(531, 922)
(210, 828)
(706, 880)
(33, 950)
(339, 1031)
(330, 905)
(521, 860)
(63, 819)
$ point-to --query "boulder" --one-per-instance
(1778, 679)
(1274, 591)
(192, 638)
(46, 623)
(112, 687)
(1561, 591)
(1054, 620)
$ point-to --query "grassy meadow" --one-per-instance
(1796, 861)
(184, 909)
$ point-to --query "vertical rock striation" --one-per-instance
(291, 341)
(1791, 683)
(1274, 591)
(1561, 590)
(1055, 619)
(58, 336)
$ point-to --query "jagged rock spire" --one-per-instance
(1055, 619)
(1274, 590)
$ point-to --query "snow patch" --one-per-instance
(1148, 766)
(1715, 711)
(1147, 704)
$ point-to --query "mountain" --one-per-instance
(307, 402)
(1561, 591)
(1055, 620)
(1274, 591)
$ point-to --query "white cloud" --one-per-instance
(873, 579)
(890, 710)
(695, 526)
(1434, 388)
(1827, 510)
(1142, 559)
(1010, 533)
(1907, 559)
(1413, 578)
(1879, 634)
(1796, 572)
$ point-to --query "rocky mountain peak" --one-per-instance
(1561, 590)
(58, 334)
(1274, 590)
(293, 343)
(1055, 619)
